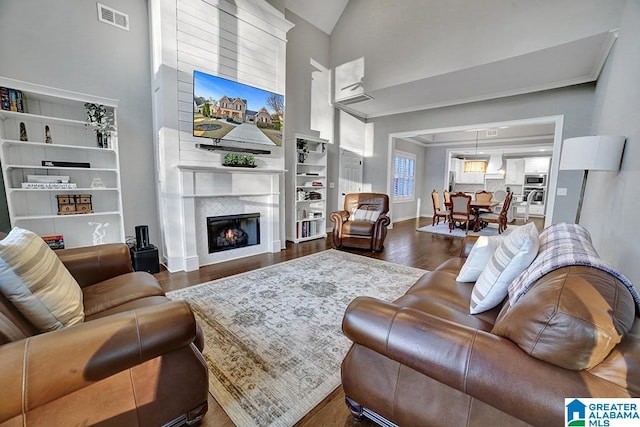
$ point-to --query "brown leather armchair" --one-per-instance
(363, 221)
(134, 361)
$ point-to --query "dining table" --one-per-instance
(476, 205)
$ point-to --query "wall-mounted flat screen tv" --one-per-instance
(227, 111)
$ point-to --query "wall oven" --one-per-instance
(538, 198)
(539, 180)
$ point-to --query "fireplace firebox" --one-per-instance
(233, 231)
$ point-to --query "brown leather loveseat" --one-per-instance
(424, 360)
(134, 361)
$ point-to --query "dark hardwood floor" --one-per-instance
(403, 245)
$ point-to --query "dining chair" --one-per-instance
(437, 211)
(484, 196)
(499, 218)
(526, 205)
(460, 211)
(498, 196)
(447, 197)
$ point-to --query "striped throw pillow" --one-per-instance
(478, 258)
(510, 259)
(365, 215)
(36, 282)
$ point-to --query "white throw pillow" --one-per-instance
(478, 258)
(36, 282)
(365, 215)
(511, 258)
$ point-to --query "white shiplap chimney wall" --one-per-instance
(241, 40)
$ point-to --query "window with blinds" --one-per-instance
(404, 171)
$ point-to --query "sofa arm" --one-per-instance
(94, 264)
(487, 367)
(45, 367)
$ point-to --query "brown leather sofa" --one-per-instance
(349, 231)
(424, 360)
(135, 361)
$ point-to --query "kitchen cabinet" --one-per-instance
(537, 165)
(536, 210)
(515, 172)
(472, 178)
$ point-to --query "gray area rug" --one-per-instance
(273, 337)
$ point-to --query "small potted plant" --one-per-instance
(101, 120)
(303, 150)
(239, 160)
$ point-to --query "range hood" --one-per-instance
(493, 168)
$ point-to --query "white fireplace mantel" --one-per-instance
(212, 191)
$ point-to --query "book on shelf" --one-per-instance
(55, 163)
(48, 179)
(54, 241)
(49, 185)
(4, 98)
(12, 100)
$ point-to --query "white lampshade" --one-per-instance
(600, 152)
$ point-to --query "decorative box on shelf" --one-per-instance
(74, 204)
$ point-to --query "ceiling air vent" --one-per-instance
(113, 17)
(492, 132)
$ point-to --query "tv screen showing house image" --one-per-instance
(225, 110)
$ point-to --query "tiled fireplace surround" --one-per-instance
(216, 191)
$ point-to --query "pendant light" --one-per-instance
(475, 165)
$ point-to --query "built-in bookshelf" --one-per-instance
(307, 212)
(47, 150)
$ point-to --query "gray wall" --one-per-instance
(574, 102)
(308, 110)
(611, 205)
(62, 44)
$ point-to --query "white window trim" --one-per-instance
(410, 156)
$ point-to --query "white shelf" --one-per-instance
(58, 190)
(27, 144)
(69, 216)
(4, 114)
(311, 219)
(311, 201)
(65, 114)
(60, 168)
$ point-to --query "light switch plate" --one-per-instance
(561, 191)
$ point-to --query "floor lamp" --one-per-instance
(600, 153)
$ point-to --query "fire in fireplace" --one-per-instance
(233, 231)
